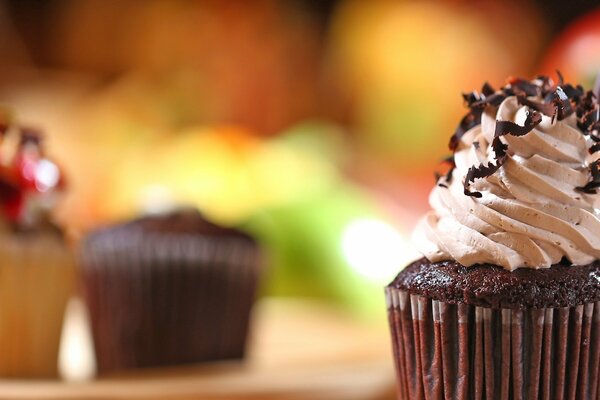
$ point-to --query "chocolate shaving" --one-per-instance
(544, 108)
(594, 148)
(573, 92)
(594, 183)
(503, 128)
(561, 79)
(472, 119)
(471, 98)
(448, 175)
(483, 171)
(586, 103)
(589, 120)
(499, 148)
(546, 84)
(476, 103)
(521, 86)
(562, 103)
(492, 100)
(510, 128)
(487, 89)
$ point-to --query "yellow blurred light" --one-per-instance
(227, 172)
(375, 249)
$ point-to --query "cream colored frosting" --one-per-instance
(530, 214)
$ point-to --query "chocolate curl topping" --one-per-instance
(573, 92)
(594, 183)
(487, 89)
(544, 108)
(561, 79)
(546, 84)
(520, 86)
(476, 102)
(472, 119)
(588, 113)
(499, 148)
(483, 171)
(588, 118)
(586, 103)
(562, 103)
(503, 128)
(448, 175)
(556, 103)
(594, 148)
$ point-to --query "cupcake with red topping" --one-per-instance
(36, 266)
(506, 302)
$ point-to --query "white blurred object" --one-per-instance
(376, 249)
(47, 175)
(156, 199)
(76, 361)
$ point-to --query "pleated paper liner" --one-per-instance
(459, 351)
(168, 300)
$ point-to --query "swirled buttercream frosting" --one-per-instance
(521, 191)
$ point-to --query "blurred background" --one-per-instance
(314, 125)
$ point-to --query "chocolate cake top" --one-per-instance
(183, 221)
(561, 285)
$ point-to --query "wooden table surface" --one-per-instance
(299, 350)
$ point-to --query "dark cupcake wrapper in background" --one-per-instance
(168, 299)
(462, 351)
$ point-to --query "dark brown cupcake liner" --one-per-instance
(158, 300)
(459, 351)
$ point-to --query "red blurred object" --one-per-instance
(29, 175)
(12, 198)
(576, 51)
(26, 161)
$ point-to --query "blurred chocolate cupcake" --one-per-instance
(37, 272)
(169, 289)
(506, 302)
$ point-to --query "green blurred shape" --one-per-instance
(303, 250)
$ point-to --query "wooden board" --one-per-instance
(298, 351)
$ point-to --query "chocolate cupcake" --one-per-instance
(168, 289)
(506, 302)
(37, 270)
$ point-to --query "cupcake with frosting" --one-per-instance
(506, 302)
(168, 289)
(36, 266)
